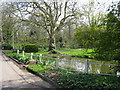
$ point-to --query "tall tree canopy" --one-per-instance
(51, 16)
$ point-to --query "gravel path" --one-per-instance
(14, 77)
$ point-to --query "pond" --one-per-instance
(87, 65)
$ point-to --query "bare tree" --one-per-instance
(52, 16)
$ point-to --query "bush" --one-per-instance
(7, 46)
(30, 48)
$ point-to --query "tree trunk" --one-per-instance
(52, 45)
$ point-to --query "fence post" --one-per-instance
(40, 58)
(118, 73)
(31, 56)
(57, 62)
(17, 51)
(23, 53)
(86, 66)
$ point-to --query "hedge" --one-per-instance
(30, 48)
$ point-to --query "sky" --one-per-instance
(79, 2)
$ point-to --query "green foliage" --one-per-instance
(39, 68)
(30, 48)
(16, 56)
(6, 46)
(76, 81)
(25, 59)
(88, 37)
(108, 46)
(18, 46)
(19, 57)
(78, 52)
(109, 42)
(8, 52)
(42, 51)
(49, 61)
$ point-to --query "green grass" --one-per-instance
(77, 52)
(42, 52)
(65, 51)
(72, 52)
(83, 53)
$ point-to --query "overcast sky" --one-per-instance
(83, 1)
(80, 2)
(104, 4)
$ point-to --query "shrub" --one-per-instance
(7, 46)
(30, 48)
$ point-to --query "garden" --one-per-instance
(74, 46)
(46, 66)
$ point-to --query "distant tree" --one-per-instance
(8, 25)
(91, 25)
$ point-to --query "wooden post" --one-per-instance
(118, 73)
(23, 53)
(86, 66)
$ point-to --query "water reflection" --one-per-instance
(83, 66)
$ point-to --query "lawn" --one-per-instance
(77, 52)
(83, 53)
